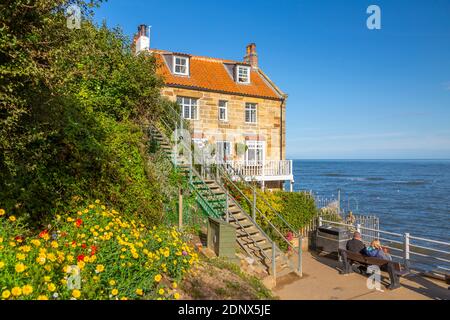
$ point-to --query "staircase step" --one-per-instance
(252, 230)
(283, 270)
(234, 211)
(238, 216)
(243, 224)
(252, 240)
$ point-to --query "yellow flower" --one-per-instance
(161, 291)
(47, 279)
(51, 287)
(2, 264)
(36, 242)
(25, 248)
(6, 294)
(158, 278)
(12, 218)
(2, 213)
(114, 292)
(139, 292)
(16, 291)
(20, 267)
(174, 285)
(124, 298)
(76, 293)
(112, 282)
(42, 297)
(51, 257)
(41, 260)
(27, 289)
(97, 201)
(54, 244)
(81, 264)
(176, 295)
(100, 268)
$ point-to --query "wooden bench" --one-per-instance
(394, 269)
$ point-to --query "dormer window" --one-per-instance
(243, 74)
(181, 65)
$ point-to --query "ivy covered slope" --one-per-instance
(72, 104)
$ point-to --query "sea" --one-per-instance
(407, 195)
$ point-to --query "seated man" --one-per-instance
(355, 244)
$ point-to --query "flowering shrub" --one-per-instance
(92, 254)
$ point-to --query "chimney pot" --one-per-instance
(251, 56)
(141, 39)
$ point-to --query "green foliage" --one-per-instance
(298, 208)
(72, 107)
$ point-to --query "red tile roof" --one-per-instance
(211, 74)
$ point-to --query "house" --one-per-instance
(232, 105)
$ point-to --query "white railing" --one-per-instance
(423, 254)
(264, 170)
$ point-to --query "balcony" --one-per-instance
(266, 170)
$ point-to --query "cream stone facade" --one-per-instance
(268, 129)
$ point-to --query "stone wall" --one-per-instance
(270, 126)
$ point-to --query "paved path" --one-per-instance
(321, 280)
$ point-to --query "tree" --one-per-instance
(72, 107)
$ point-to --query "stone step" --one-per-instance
(254, 239)
(239, 216)
(243, 224)
(251, 231)
(234, 210)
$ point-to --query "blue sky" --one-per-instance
(354, 93)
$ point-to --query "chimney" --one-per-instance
(251, 57)
(141, 39)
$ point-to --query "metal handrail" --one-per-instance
(265, 218)
(248, 234)
(430, 240)
(406, 247)
(252, 188)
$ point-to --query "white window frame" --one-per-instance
(251, 107)
(230, 150)
(238, 68)
(186, 59)
(255, 145)
(225, 107)
(189, 103)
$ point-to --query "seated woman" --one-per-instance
(376, 250)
